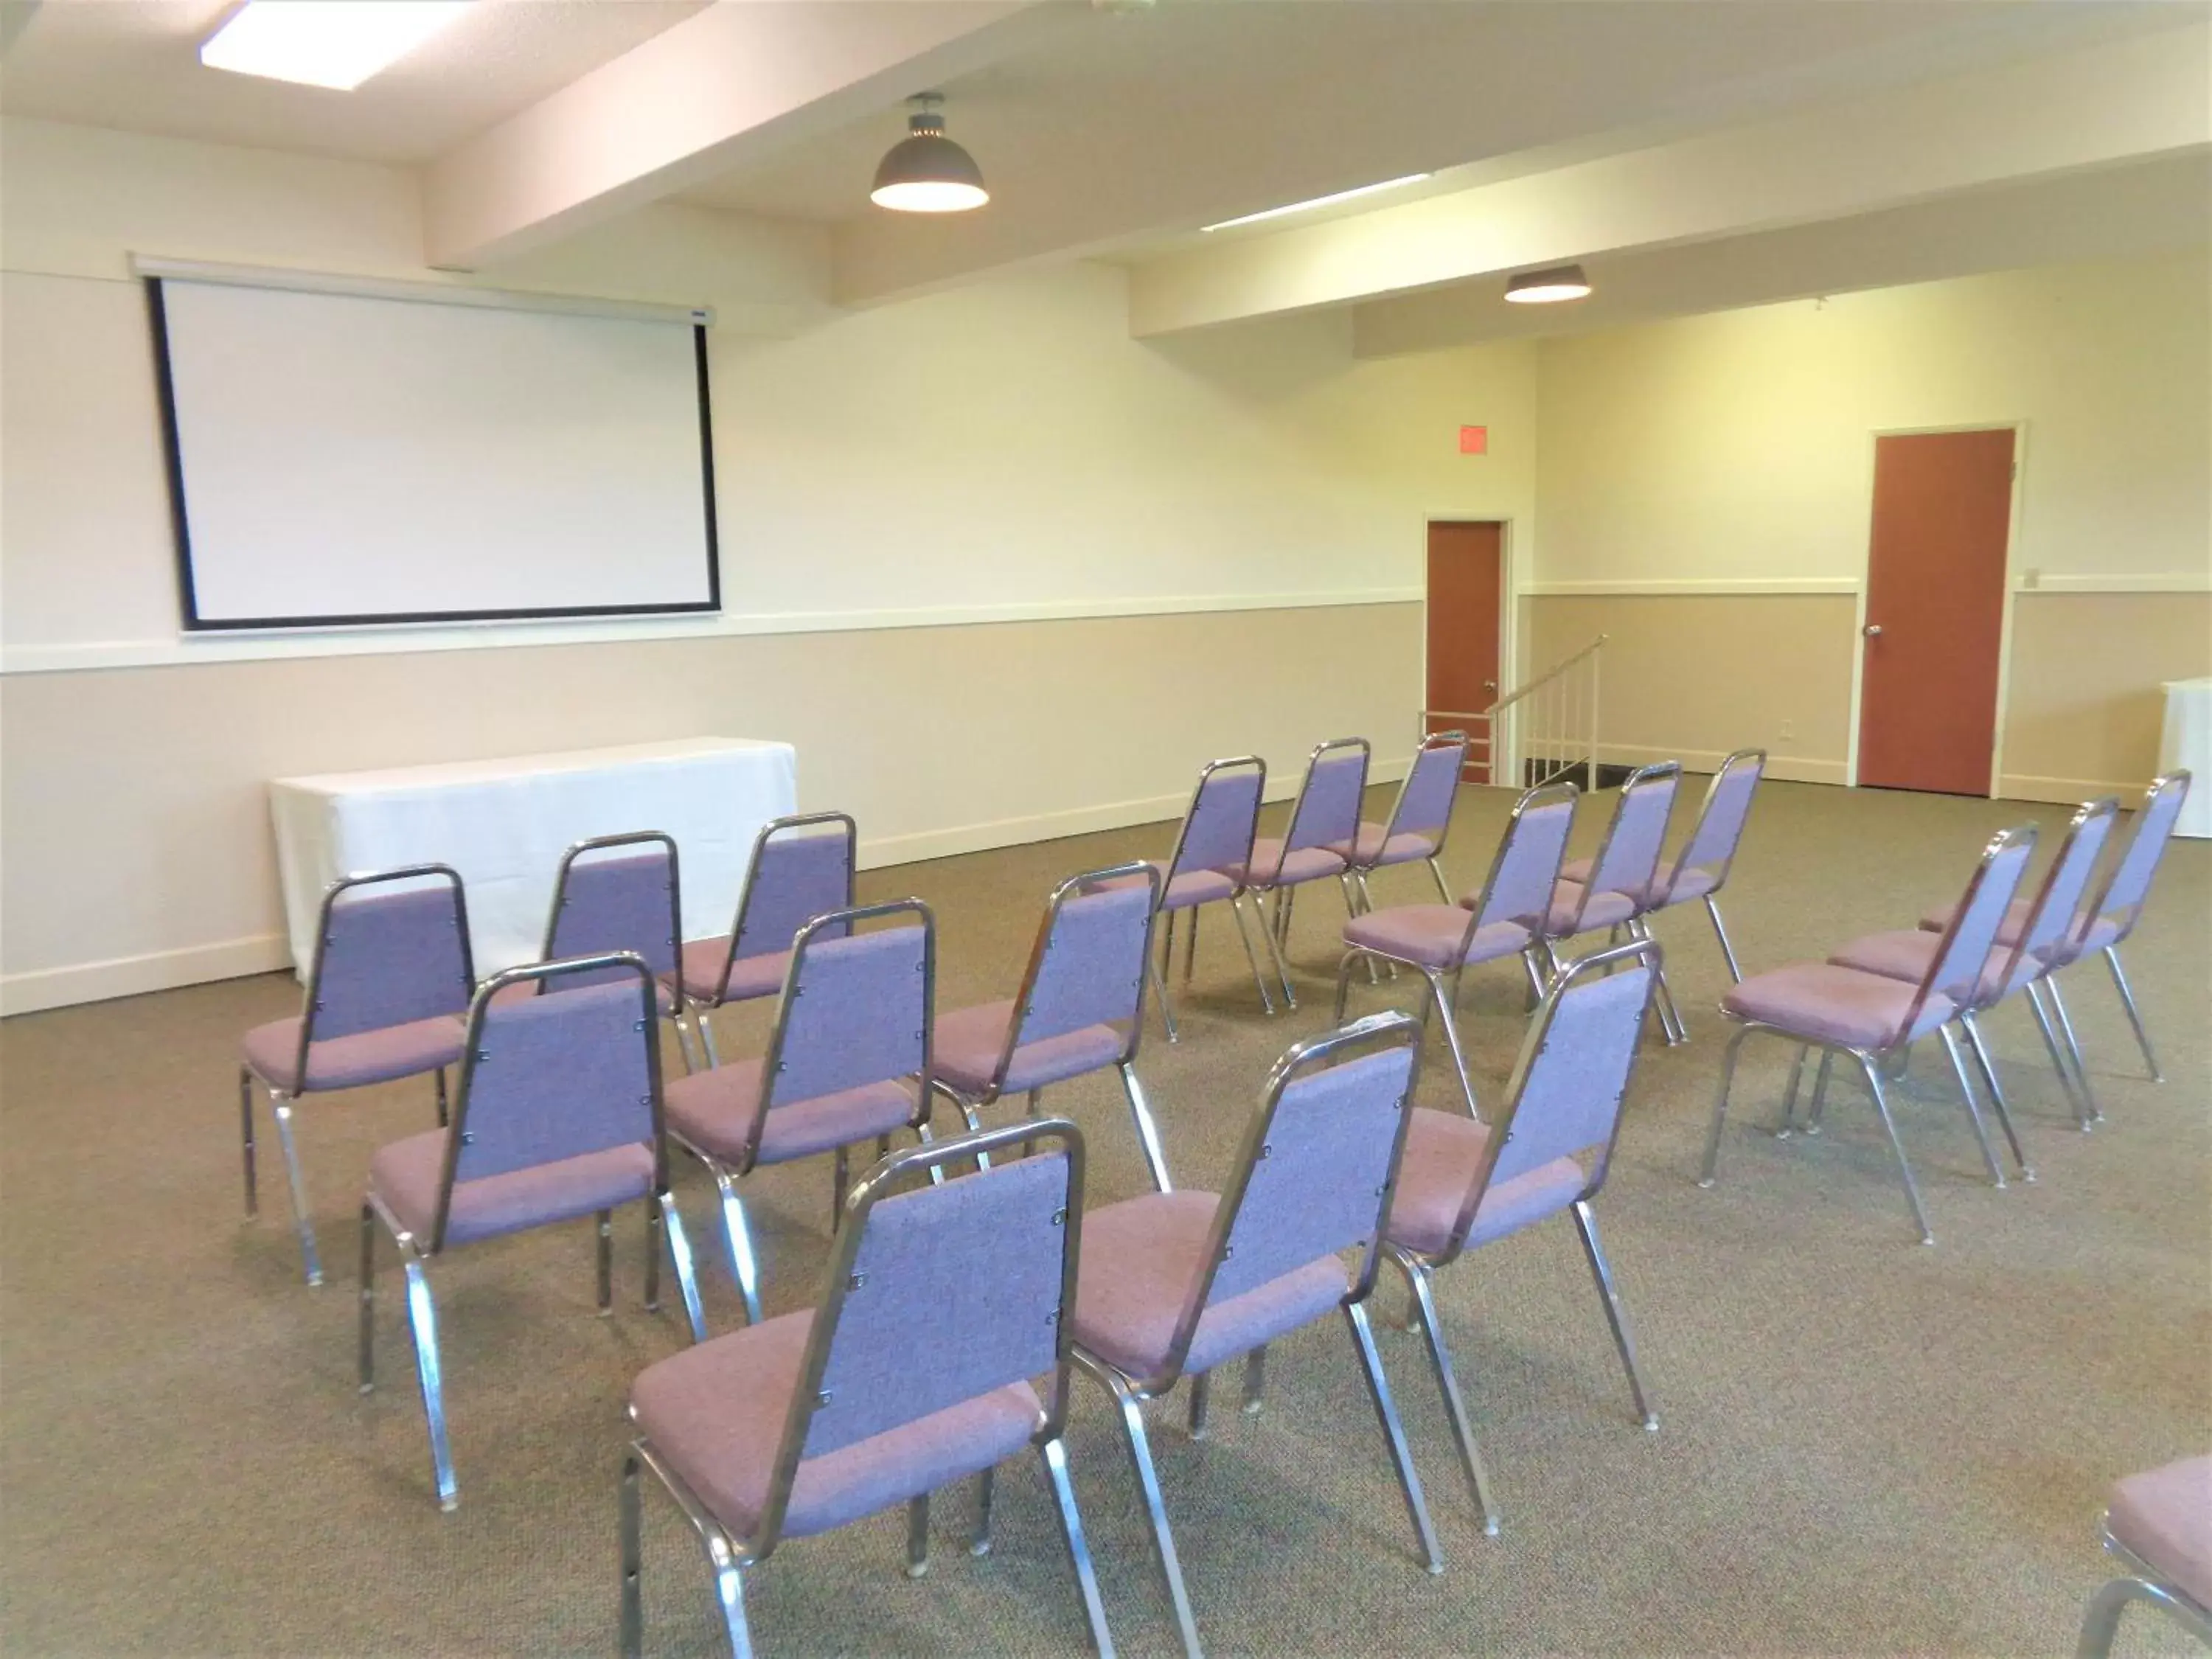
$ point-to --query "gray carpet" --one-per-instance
(1868, 1447)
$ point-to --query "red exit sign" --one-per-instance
(1475, 440)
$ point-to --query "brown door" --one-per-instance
(1935, 611)
(1464, 578)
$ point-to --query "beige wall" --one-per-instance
(2085, 710)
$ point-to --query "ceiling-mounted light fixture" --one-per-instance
(925, 172)
(337, 43)
(1543, 287)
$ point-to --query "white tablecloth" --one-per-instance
(2188, 742)
(504, 824)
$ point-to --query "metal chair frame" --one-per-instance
(728, 1557)
(1668, 774)
(281, 1103)
(1373, 1035)
(1874, 1063)
(415, 1253)
(745, 1265)
(1140, 1111)
(1285, 893)
(1420, 1268)
(2139, 1581)
(775, 828)
(679, 1004)
(1360, 872)
(1753, 758)
(1236, 900)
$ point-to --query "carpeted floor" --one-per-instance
(1868, 1447)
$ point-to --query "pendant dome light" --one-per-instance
(925, 172)
(1547, 286)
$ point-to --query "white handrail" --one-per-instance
(1545, 720)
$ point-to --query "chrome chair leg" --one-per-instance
(605, 1226)
(1237, 909)
(699, 1013)
(1273, 936)
(1255, 1380)
(245, 1138)
(1974, 1112)
(1989, 1071)
(743, 1266)
(1672, 1025)
(1478, 1480)
(722, 1559)
(632, 1636)
(1787, 1126)
(1148, 1131)
(2102, 1622)
(2004, 1118)
(1167, 942)
(1616, 1316)
(841, 1180)
(367, 1299)
(2074, 1050)
(445, 1105)
(2058, 1059)
(1344, 981)
(1201, 1395)
(423, 1323)
(917, 1536)
(1535, 978)
(1148, 1486)
(1443, 887)
(1720, 933)
(1903, 1165)
(663, 1210)
(1160, 990)
(1720, 1104)
(1190, 944)
(1451, 1040)
(1393, 1434)
(280, 1106)
(1819, 1103)
(1053, 1453)
(979, 1542)
(2111, 954)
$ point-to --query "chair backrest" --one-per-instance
(801, 868)
(1223, 816)
(388, 957)
(938, 1296)
(1087, 967)
(1565, 1097)
(1318, 1162)
(1628, 857)
(856, 1007)
(1326, 813)
(1525, 869)
(1963, 954)
(2129, 885)
(2055, 915)
(1425, 801)
(616, 893)
(547, 1078)
(1720, 823)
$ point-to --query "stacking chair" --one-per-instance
(1505, 919)
(1621, 885)
(1871, 1018)
(1080, 1008)
(848, 1062)
(911, 1371)
(1325, 817)
(801, 868)
(1462, 1185)
(558, 1116)
(608, 899)
(1418, 822)
(2021, 964)
(2105, 922)
(1701, 869)
(1176, 1283)
(1216, 837)
(2159, 1525)
(391, 978)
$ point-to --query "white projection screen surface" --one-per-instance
(343, 459)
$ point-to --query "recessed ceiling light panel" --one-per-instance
(1317, 202)
(337, 44)
(1548, 286)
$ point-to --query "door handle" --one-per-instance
(1490, 685)
(1873, 630)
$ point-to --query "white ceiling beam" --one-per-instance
(736, 83)
(2140, 98)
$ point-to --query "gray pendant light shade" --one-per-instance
(1546, 287)
(925, 172)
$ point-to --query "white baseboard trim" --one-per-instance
(2027, 786)
(131, 977)
(1783, 768)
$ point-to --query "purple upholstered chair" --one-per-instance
(609, 897)
(558, 1116)
(1462, 1185)
(2105, 922)
(2159, 1525)
(801, 868)
(912, 1370)
(1419, 820)
(2022, 963)
(848, 1061)
(1175, 1283)
(1324, 818)
(391, 977)
(1505, 919)
(1080, 1008)
(1871, 1018)
(1621, 885)
(1701, 869)
(1216, 837)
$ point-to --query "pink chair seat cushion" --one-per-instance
(663, 998)
(405, 1175)
(1141, 1258)
(1829, 1004)
(716, 1414)
(2164, 1516)
(2102, 932)
(1677, 886)
(1907, 953)
(272, 1053)
(1272, 867)
(1430, 934)
(1191, 887)
(1603, 910)
(1441, 1152)
(714, 1111)
(965, 1046)
(1376, 847)
(749, 976)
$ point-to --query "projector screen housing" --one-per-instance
(365, 454)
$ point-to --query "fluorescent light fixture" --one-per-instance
(1547, 286)
(337, 43)
(1317, 202)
